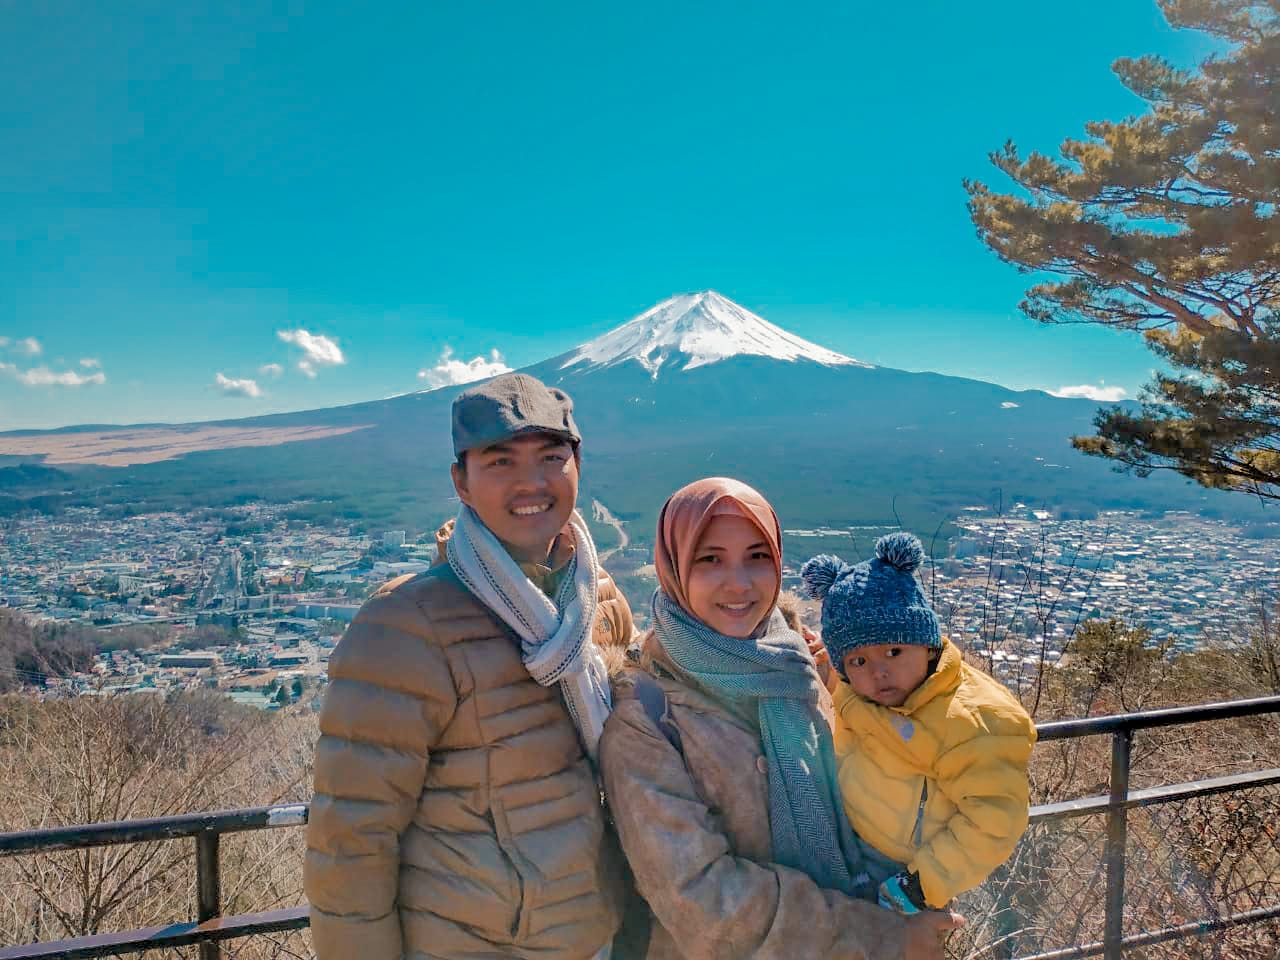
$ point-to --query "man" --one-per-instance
(456, 814)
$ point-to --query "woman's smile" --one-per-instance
(738, 609)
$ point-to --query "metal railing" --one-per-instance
(210, 929)
(1120, 800)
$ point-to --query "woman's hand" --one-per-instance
(927, 933)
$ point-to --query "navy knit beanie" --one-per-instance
(878, 601)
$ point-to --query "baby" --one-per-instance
(932, 751)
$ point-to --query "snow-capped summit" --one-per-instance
(695, 329)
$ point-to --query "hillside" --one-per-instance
(695, 386)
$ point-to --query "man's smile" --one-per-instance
(529, 510)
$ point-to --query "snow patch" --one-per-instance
(696, 329)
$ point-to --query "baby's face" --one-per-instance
(887, 673)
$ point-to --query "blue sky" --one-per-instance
(180, 184)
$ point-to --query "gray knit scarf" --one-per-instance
(806, 817)
(555, 634)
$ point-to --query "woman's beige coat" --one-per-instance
(695, 828)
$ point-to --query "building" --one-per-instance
(130, 585)
(393, 538)
(191, 661)
(293, 658)
(387, 571)
(327, 611)
(228, 621)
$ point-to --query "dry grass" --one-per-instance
(124, 447)
(92, 759)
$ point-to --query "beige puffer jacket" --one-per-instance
(695, 829)
(455, 814)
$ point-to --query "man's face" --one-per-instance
(523, 489)
(887, 673)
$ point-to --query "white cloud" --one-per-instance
(1008, 405)
(44, 377)
(271, 370)
(449, 371)
(1088, 391)
(238, 388)
(321, 351)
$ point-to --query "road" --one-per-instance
(601, 514)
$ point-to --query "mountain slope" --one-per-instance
(700, 387)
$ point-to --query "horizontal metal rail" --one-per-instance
(151, 829)
(1147, 719)
(1092, 806)
(1183, 931)
(155, 938)
(210, 930)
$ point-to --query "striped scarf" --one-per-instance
(806, 817)
(555, 634)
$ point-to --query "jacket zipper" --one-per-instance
(918, 834)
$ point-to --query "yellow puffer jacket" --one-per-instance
(961, 742)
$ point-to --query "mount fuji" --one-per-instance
(695, 329)
(695, 386)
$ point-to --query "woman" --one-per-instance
(723, 786)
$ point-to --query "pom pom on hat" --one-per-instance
(821, 572)
(901, 550)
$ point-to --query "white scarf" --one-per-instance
(555, 635)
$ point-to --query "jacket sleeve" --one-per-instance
(390, 694)
(715, 904)
(986, 778)
(614, 623)
(842, 737)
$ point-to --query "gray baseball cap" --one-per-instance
(508, 405)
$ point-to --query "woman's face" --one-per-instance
(733, 581)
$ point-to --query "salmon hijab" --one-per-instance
(769, 678)
(687, 514)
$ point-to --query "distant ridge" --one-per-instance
(695, 386)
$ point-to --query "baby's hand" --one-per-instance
(818, 650)
(902, 894)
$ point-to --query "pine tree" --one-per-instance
(1169, 223)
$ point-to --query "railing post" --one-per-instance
(1117, 840)
(208, 889)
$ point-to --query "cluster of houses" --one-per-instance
(248, 603)
(237, 600)
(265, 666)
(1014, 587)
